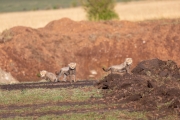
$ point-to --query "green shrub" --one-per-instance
(100, 9)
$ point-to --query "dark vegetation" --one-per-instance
(152, 87)
(32, 5)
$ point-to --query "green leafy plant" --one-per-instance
(38, 75)
(100, 9)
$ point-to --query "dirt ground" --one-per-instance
(92, 45)
(153, 86)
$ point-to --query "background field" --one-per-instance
(133, 11)
(33, 5)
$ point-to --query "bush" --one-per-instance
(100, 9)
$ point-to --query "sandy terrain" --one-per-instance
(133, 11)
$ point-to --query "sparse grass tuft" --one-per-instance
(6, 36)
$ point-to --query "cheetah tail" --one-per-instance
(106, 70)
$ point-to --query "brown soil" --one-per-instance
(154, 86)
(92, 45)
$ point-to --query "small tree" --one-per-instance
(100, 9)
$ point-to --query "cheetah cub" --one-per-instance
(62, 72)
(66, 71)
(71, 72)
(48, 76)
(124, 67)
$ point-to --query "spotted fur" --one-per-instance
(48, 76)
(124, 67)
(67, 71)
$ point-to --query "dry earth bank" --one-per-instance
(92, 45)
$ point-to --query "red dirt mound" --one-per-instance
(154, 86)
(92, 45)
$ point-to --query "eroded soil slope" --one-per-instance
(92, 45)
(153, 87)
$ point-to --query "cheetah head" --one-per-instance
(72, 65)
(43, 73)
(128, 61)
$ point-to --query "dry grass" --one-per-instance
(152, 9)
(38, 19)
(133, 11)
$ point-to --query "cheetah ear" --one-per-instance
(43, 72)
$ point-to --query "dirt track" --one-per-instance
(58, 112)
(48, 85)
(7, 109)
